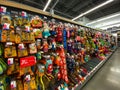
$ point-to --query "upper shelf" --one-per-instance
(32, 9)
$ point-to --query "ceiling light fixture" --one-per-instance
(110, 26)
(102, 19)
(46, 6)
(93, 9)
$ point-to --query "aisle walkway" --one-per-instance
(108, 77)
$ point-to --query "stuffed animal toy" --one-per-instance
(32, 48)
(45, 46)
(36, 22)
(53, 29)
(37, 33)
(53, 44)
(69, 47)
(39, 44)
(49, 64)
(59, 34)
(46, 32)
(22, 50)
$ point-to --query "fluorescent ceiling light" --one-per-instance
(46, 6)
(109, 26)
(102, 19)
(93, 9)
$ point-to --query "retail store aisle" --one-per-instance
(108, 77)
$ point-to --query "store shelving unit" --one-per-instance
(35, 10)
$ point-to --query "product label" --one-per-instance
(6, 26)
(27, 28)
(10, 61)
(13, 84)
(9, 43)
(27, 78)
(27, 61)
(24, 14)
(21, 46)
(2, 9)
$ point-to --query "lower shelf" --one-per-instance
(92, 72)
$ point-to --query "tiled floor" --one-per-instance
(108, 77)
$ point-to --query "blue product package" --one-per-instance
(65, 38)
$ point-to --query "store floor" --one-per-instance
(108, 77)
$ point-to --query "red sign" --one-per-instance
(27, 61)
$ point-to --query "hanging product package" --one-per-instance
(33, 48)
(3, 83)
(8, 35)
(36, 22)
(37, 33)
(13, 66)
(39, 44)
(10, 50)
(22, 50)
(18, 37)
(29, 82)
(3, 66)
(19, 85)
(5, 19)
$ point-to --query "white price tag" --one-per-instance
(21, 46)
(27, 78)
(9, 43)
(13, 84)
(10, 61)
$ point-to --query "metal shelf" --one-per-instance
(92, 73)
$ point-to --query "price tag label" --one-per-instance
(24, 14)
(2, 9)
(27, 28)
(21, 46)
(27, 78)
(13, 84)
(6, 26)
(9, 43)
(10, 61)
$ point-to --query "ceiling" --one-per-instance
(72, 8)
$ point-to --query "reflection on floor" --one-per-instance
(108, 77)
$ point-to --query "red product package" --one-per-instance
(27, 61)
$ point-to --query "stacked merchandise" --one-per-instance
(38, 54)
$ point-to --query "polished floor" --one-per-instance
(108, 77)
